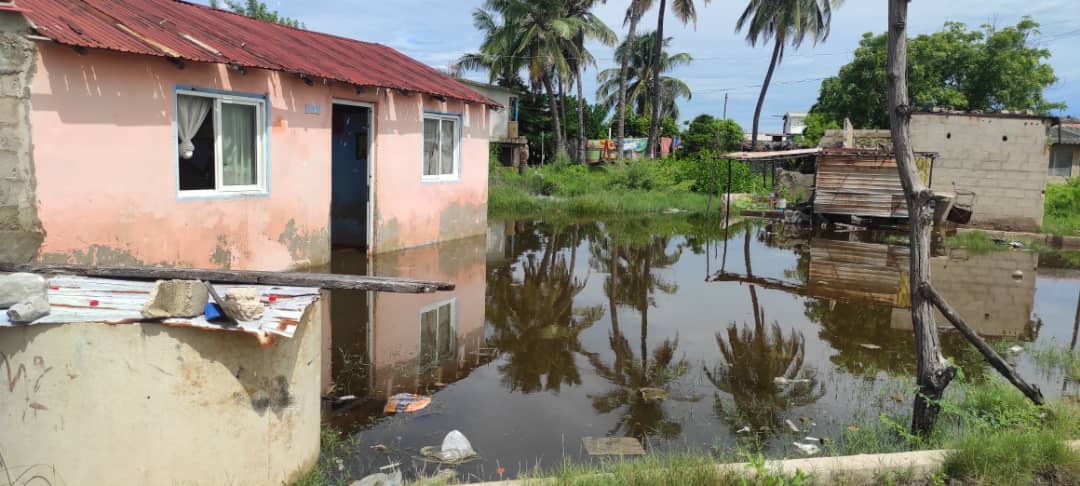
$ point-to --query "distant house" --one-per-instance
(503, 123)
(1000, 157)
(161, 132)
(1065, 151)
(794, 124)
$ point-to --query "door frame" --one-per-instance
(370, 169)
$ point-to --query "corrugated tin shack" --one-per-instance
(859, 182)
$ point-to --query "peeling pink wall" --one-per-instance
(105, 165)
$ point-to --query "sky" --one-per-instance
(437, 32)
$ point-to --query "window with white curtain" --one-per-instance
(440, 152)
(220, 143)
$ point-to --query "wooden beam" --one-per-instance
(245, 277)
(999, 364)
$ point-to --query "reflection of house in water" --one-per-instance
(392, 343)
(979, 287)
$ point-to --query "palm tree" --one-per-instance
(592, 28)
(639, 94)
(535, 35)
(686, 12)
(783, 21)
(634, 12)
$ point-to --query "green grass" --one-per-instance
(977, 242)
(1062, 211)
(1013, 457)
(1052, 358)
(636, 187)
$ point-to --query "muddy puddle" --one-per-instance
(669, 331)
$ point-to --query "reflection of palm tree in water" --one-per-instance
(640, 386)
(762, 370)
(535, 324)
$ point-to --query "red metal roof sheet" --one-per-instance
(177, 29)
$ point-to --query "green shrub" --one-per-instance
(1062, 210)
(1013, 457)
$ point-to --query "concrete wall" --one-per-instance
(105, 159)
(154, 405)
(1003, 160)
(499, 118)
(20, 229)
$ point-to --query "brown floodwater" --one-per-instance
(669, 331)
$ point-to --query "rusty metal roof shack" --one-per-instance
(182, 31)
(865, 183)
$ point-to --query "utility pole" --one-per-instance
(725, 105)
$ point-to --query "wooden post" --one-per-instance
(999, 364)
(243, 277)
(933, 372)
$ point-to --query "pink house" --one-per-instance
(160, 132)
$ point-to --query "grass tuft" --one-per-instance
(1013, 457)
(1051, 358)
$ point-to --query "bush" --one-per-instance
(1062, 210)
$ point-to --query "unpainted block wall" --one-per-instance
(20, 229)
(1003, 160)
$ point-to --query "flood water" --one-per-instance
(555, 330)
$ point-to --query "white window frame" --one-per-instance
(456, 174)
(260, 146)
(420, 328)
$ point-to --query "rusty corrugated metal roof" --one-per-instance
(181, 30)
(83, 300)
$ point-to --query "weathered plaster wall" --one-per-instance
(499, 119)
(154, 405)
(409, 212)
(20, 229)
(105, 157)
(1003, 160)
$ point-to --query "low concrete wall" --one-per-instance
(148, 404)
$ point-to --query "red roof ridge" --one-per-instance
(226, 37)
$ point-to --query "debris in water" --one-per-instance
(379, 447)
(455, 449)
(870, 346)
(813, 439)
(649, 393)
(791, 425)
(808, 449)
(897, 397)
(853, 428)
(406, 402)
(1016, 244)
(743, 430)
(1015, 349)
(613, 446)
(780, 380)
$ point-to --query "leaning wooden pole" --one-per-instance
(999, 364)
(933, 372)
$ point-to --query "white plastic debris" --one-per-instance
(808, 449)
(743, 430)
(791, 426)
(780, 380)
(870, 346)
(455, 449)
(1015, 349)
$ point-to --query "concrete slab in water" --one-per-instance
(613, 446)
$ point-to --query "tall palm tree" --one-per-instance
(638, 56)
(535, 35)
(496, 52)
(592, 28)
(634, 12)
(686, 12)
(783, 21)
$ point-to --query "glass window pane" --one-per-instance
(447, 339)
(1061, 161)
(431, 147)
(238, 145)
(429, 322)
(448, 146)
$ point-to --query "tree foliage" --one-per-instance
(988, 70)
(257, 10)
(640, 64)
(707, 133)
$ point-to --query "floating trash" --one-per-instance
(455, 449)
(406, 403)
(808, 449)
(613, 446)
